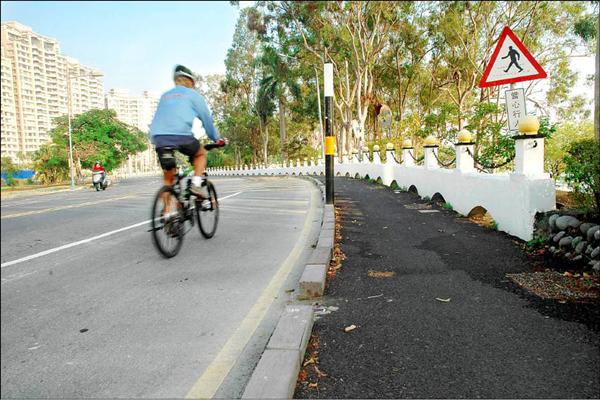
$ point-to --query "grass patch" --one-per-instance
(537, 242)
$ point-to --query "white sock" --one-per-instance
(197, 180)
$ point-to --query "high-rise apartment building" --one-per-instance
(133, 110)
(137, 111)
(10, 137)
(38, 76)
(87, 89)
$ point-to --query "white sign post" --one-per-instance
(515, 107)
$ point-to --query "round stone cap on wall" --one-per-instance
(529, 125)
(430, 141)
(464, 136)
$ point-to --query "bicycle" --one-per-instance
(182, 206)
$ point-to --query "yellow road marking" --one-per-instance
(214, 375)
(45, 210)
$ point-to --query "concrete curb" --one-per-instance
(277, 371)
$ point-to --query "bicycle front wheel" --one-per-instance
(166, 223)
(207, 212)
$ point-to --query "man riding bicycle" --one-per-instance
(171, 129)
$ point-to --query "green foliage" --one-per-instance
(96, 135)
(537, 242)
(447, 206)
(586, 27)
(559, 138)
(582, 172)
(494, 225)
(427, 199)
(422, 59)
(8, 167)
(51, 164)
(547, 128)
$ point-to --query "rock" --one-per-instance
(585, 227)
(558, 236)
(597, 235)
(580, 247)
(596, 266)
(577, 258)
(568, 255)
(552, 222)
(566, 221)
(566, 241)
(592, 231)
(576, 241)
(552, 249)
(596, 252)
(589, 249)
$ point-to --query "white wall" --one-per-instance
(512, 199)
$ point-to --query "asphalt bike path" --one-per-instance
(111, 318)
(434, 314)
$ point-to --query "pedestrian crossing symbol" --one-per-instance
(511, 62)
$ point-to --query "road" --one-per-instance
(90, 309)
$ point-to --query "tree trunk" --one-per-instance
(284, 154)
(597, 92)
(266, 145)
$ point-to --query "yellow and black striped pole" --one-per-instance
(329, 138)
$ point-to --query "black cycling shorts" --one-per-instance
(167, 144)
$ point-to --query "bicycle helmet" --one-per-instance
(180, 70)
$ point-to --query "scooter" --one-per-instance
(99, 180)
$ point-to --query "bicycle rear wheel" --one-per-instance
(167, 229)
(207, 212)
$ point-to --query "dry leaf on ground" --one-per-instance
(380, 274)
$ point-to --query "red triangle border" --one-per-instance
(508, 32)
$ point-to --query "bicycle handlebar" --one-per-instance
(211, 146)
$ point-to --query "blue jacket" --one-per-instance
(176, 112)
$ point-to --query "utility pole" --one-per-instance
(321, 132)
(329, 138)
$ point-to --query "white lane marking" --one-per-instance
(17, 276)
(67, 246)
(45, 210)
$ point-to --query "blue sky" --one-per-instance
(135, 44)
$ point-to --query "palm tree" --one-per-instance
(278, 79)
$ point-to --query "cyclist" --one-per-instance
(171, 129)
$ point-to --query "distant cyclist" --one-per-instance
(171, 129)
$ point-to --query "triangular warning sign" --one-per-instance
(515, 64)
